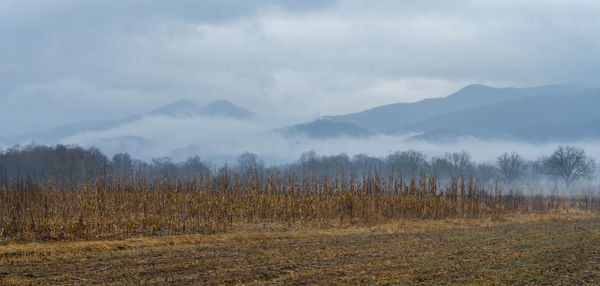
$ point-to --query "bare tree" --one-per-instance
(122, 165)
(535, 175)
(512, 167)
(249, 163)
(570, 164)
(194, 166)
(364, 165)
(406, 162)
(486, 175)
(460, 163)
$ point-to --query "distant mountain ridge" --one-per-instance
(182, 108)
(387, 118)
(218, 108)
(553, 112)
(564, 117)
(537, 114)
(325, 128)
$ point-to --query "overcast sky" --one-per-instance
(69, 60)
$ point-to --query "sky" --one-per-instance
(67, 60)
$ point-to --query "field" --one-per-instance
(526, 249)
(288, 230)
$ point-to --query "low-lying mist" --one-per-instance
(222, 140)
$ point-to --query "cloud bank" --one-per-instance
(65, 61)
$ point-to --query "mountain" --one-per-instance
(219, 108)
(389, 118)
(324, 128)
(564, 117)
(224, 108)
(183, 108)
(440, 119)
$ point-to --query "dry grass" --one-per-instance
(551, 249)
(115, 210)
(282, 230)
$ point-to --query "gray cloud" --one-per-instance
(65, 61)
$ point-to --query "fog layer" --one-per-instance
(223, 140)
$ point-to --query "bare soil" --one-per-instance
(528, 250)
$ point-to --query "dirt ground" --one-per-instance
(520, 250)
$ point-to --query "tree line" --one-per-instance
(62, 164)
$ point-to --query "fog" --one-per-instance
(222, 140)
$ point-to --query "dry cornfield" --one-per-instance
(113, 209)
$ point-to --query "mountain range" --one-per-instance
(554, 112)
(565, 112)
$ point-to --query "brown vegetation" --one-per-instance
(113, 209)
